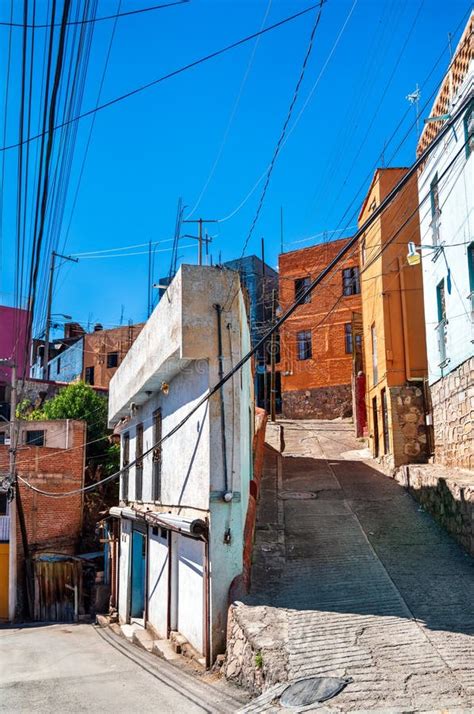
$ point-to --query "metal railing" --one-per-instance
(442, 332)
(4, 528)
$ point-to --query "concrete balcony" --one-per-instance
(182, 328)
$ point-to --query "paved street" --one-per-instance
(373, 588)
(72, 668)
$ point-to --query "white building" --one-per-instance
(447, 223)
(183, 506)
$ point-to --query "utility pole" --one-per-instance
(200, 238)
(52, 268)
(273, 360)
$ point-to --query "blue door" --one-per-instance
(138, 575)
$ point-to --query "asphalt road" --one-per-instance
(72, 668)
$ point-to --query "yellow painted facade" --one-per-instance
(4, 552)
(393, 322)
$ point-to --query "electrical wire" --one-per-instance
(97, 19)
(351, 243)
(167, 76)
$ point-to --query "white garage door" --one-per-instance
(190, 576)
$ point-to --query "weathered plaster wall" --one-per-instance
(67, 366)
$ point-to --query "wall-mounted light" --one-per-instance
(165, 388)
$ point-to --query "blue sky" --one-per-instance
(151, 149)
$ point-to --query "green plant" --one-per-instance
(259, 660)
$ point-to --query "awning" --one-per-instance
(196, 527)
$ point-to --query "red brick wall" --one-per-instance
(329, 366)
(98, 344)
(51, 523)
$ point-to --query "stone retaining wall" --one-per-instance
(453, 417)
(447, 495)
(257, 655)
(319, 403)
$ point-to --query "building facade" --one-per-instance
(393, 323)
(446, 195)
(92, 357)
(317, 343)
(260, 282)
(183, 503)
(51, 457)
(15, 347)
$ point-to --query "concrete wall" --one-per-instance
(330, 365)
(158, 573)
(456, 231)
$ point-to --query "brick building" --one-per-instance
(393, 323)
(51, 456)
(317, 342)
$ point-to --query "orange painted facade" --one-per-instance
(393, 322)
(100, 347)
(318, 384)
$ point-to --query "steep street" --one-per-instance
(372, 588)
(78, 668)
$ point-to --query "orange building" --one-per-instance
(317, 343)
(393, 323)
(104, 351)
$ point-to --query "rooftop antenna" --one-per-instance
(122, 310)
(414, 98)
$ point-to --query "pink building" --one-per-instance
(15, 346)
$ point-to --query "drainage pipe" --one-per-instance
(227, 493)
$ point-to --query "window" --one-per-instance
(3, 392)
(435, 209)
(3, 437)
(441, 301)
(139, 463)
(348, 337)
(375, 364)
(303, 345)
(112, 360)
(156, 483)
(469, 129)
(350, 281)
(386, 435)
(89, 375)
(34, 438)
(125, 462)
(58, 365)
(3, 504)
(441, 327)
(301, 284)
(470, 264)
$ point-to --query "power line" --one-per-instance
(351, 243)
(165, 77)
(97, 19)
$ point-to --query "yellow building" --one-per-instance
(393, 320)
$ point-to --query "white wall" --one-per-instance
(456, 192)
(185, 456)
(190, 591)
(158, 566)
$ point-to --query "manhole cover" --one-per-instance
(297, 495)
(312, 690)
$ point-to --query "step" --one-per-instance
(128, 631)
(143, 639)
(164, 649)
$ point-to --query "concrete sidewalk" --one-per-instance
(371, 587)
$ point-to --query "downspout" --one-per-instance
(228, 495)
(406, 353)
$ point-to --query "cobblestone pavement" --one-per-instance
(373, 588)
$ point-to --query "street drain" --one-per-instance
(312, 690)
(297, 495)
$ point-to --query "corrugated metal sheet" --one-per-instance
(54, 601)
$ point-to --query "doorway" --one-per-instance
(137, 599)
(386, 441)
(375, 427)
